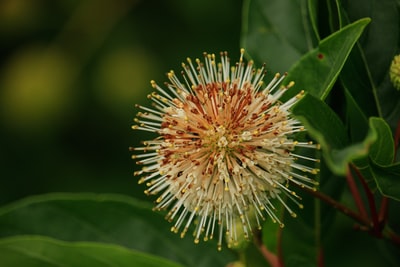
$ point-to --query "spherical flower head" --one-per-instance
(394, 72)
(224, 154)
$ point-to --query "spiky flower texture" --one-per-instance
(224, 155)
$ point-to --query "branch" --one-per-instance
(270, 257)
(356, 194)
(337, 205)
(371, 202)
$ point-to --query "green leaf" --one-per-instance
(107, 218)
(382, 151)
(388, 180)
(277, 32)
(334, 19)
(298, 238)
(356, 79)
(313, 11)
(379, 45)
(381, 41)
(357, 122)
(389, 103)
(270, 232)
(46, 252)
(321, 120)
(326, 128)
(317, 71)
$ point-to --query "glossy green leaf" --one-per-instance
(356, 121)
(388, 180)
(389, 103)
(47, 252)
(277, 32)
(379, 45)
(382, 151)
(333, 15)
(317, 71)
(326, 128)
(356, 76)
(270, 232)
(298, 238)
(313, 11)
(113, 219)
(321, 120)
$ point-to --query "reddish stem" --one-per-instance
(371, 202)
(270, 257)
(392, 236)
(279, 247)
(363, 221)
(356, 194)
(396, 139)
(320, 258)
(383, 211)
(337, 205)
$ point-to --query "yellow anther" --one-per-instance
(291, 84)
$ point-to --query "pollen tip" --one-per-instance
(299, 95)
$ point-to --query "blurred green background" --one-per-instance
(70, 74)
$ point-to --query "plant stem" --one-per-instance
(279, 247)
(270, 257)
(337, 205)
(371, 202)
(320, 257)
(317, 222)
(383, 209)
(396, 139)
(388, 233)
(356, 194)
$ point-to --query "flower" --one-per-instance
(224, 150)
(394, 72)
